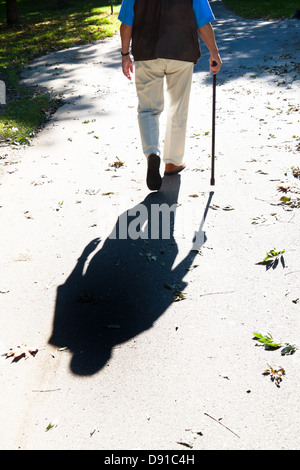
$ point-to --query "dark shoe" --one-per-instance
(153, 176)
(173, 169)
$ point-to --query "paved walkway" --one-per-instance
(121, 364)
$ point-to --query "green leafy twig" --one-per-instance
(267, 341)
(272, 259)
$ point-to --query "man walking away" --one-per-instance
(164, 43)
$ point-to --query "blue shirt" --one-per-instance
(201, 8)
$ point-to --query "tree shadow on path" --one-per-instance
(123, 290)
(248, 45)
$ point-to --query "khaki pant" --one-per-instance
(149, 79)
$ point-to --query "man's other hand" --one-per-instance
(127, 66)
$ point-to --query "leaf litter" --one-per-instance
(21, 351)
(178, 295)
(275, 374)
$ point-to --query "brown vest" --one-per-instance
(165, 29)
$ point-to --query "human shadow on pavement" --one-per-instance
(123, 290)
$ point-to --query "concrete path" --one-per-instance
(122, 364)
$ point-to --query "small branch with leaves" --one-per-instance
(272, 259)
(268, 342)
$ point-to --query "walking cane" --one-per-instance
(212, 180)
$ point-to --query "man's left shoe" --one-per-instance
(153, 180)
(173, 169)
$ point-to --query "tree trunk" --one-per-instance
(12, 12)
(111, 7)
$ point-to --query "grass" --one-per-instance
(23, 116)
(43, 29)
(263, 9)
(50, 28)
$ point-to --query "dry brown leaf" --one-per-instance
(117, 164)
(20, 351)
(283, 189)
(275, 374)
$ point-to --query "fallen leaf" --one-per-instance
(288, 349)
(285, 199)
(178, 295)
(275, 374)
(50, 426)
(185, 444)
(283, 189)
(296, 171)
(20, 351)
(118, 163)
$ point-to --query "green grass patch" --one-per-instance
(51, 29)
(22, 118)
(44, 28)
(263, 9)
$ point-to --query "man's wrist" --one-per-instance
(124, 54)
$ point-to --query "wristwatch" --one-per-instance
(125, 53)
